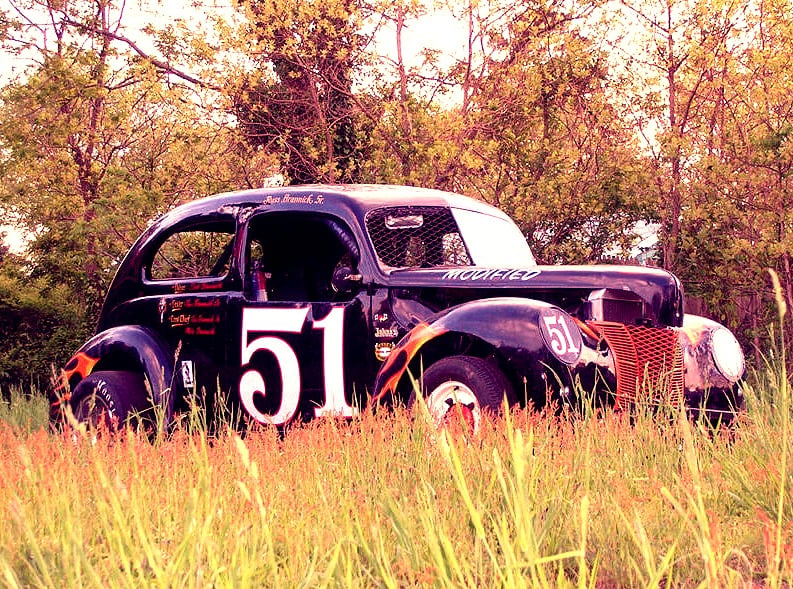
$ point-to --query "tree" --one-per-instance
(96, 140)
(723, 158)
(747, 172)
(680, 52)
(545, 140)
(395, 107)
(297, 102)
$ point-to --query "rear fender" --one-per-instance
(127, 347)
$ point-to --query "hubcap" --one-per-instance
(454, 406)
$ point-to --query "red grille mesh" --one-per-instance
(648, 361)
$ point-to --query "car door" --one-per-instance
(302, 338)
(188, 285)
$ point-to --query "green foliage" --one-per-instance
(535, 132)
(77, 162)
(720, 149)
(735, 213)
(40, 323)
(94, 143)
(558, 158)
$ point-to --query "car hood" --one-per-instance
(561, 285)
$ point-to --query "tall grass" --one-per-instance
(386, 501)
(21, 410)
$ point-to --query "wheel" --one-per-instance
(107, 399)
(458, 389)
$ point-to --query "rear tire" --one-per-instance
(110, 399)
(461, 388)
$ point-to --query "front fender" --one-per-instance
(507, 326)
(702, 372)
(127, 347)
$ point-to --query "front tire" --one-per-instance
(109, 399)
(461, 388)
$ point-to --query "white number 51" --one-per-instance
(266, 320)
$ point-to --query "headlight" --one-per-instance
(727, 354)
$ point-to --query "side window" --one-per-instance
(201, 251)
(454, 252)
(416, 237)
(294, 256)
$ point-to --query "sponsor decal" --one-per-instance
(397, 362)
(196, 315)
(196, 303)
(181, 288)
(199, 331)
(382, 350)
(184, 319)
(386, 332)
(491, 274)
(188, 378)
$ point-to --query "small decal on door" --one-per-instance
(188, 379)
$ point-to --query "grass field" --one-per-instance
(383, 500)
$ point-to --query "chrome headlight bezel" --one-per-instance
(727, 354)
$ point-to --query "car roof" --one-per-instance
(358, 197)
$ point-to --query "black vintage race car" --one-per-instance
(299, 302)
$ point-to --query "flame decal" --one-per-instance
(81, 364)
(397, 362)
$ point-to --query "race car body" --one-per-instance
(307, 301)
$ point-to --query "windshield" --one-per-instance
(492, 241)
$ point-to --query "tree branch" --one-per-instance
(160, 65)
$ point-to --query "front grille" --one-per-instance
(615, 306)
(622, 311)
(648, 362)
